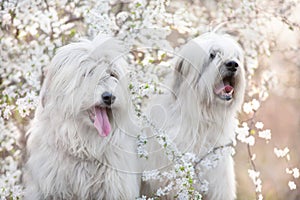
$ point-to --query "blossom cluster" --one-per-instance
(254, 175)
(31, 31)
(293, 171)
(10, 173)
(141, 143)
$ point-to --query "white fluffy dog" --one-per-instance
(82, 142)
(206, 93)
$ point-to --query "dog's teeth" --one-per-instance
(226, 96)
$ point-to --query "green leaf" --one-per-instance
(73, 32)
(130, 86)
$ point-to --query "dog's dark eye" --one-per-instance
(212, 55)
(113, 74)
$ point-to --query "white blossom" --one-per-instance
(253, 156)
(259, 125)
(281, 153)
(151, 175)
(243, 134)
(265, 134)
(292, 185)
(247, 108)
(8, 109)
(260, 197)
(295, 172)
(251, 106)
(254, 175)
(141, 146)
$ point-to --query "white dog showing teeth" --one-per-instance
(207, 91)
(224, 91)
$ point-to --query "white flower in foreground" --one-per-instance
(255, 104)
(250, 140)
(8, 111)
(296, 173)
(281, 153)
(243, 134)
(253, 156)
(292, 185)
(160, 192)
(247, 108)
(141, 198)
(259, 125)
(141, 150)
(153, 174)
(4, 192)
(254, 175)
(204, 186)
(266, 134)
(17, 191)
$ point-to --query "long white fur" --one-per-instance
(196, 119)
(67, 157)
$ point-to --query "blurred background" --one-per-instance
(31, 31)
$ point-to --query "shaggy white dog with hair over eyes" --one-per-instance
(207, 90)
(82, 142)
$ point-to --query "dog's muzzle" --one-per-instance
(231, 66)
(108, 98)
(224, 89)
(100, 114)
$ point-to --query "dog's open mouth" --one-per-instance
(225, 88)
(100, 118)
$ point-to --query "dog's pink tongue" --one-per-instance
(101, 122)
(226, 88)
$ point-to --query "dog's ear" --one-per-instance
(191, 64)
(44, 89)
(178, 74)
(68, 59)
(178, 66)
(43, 98)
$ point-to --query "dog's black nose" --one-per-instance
(231, 65)
(108, 98)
